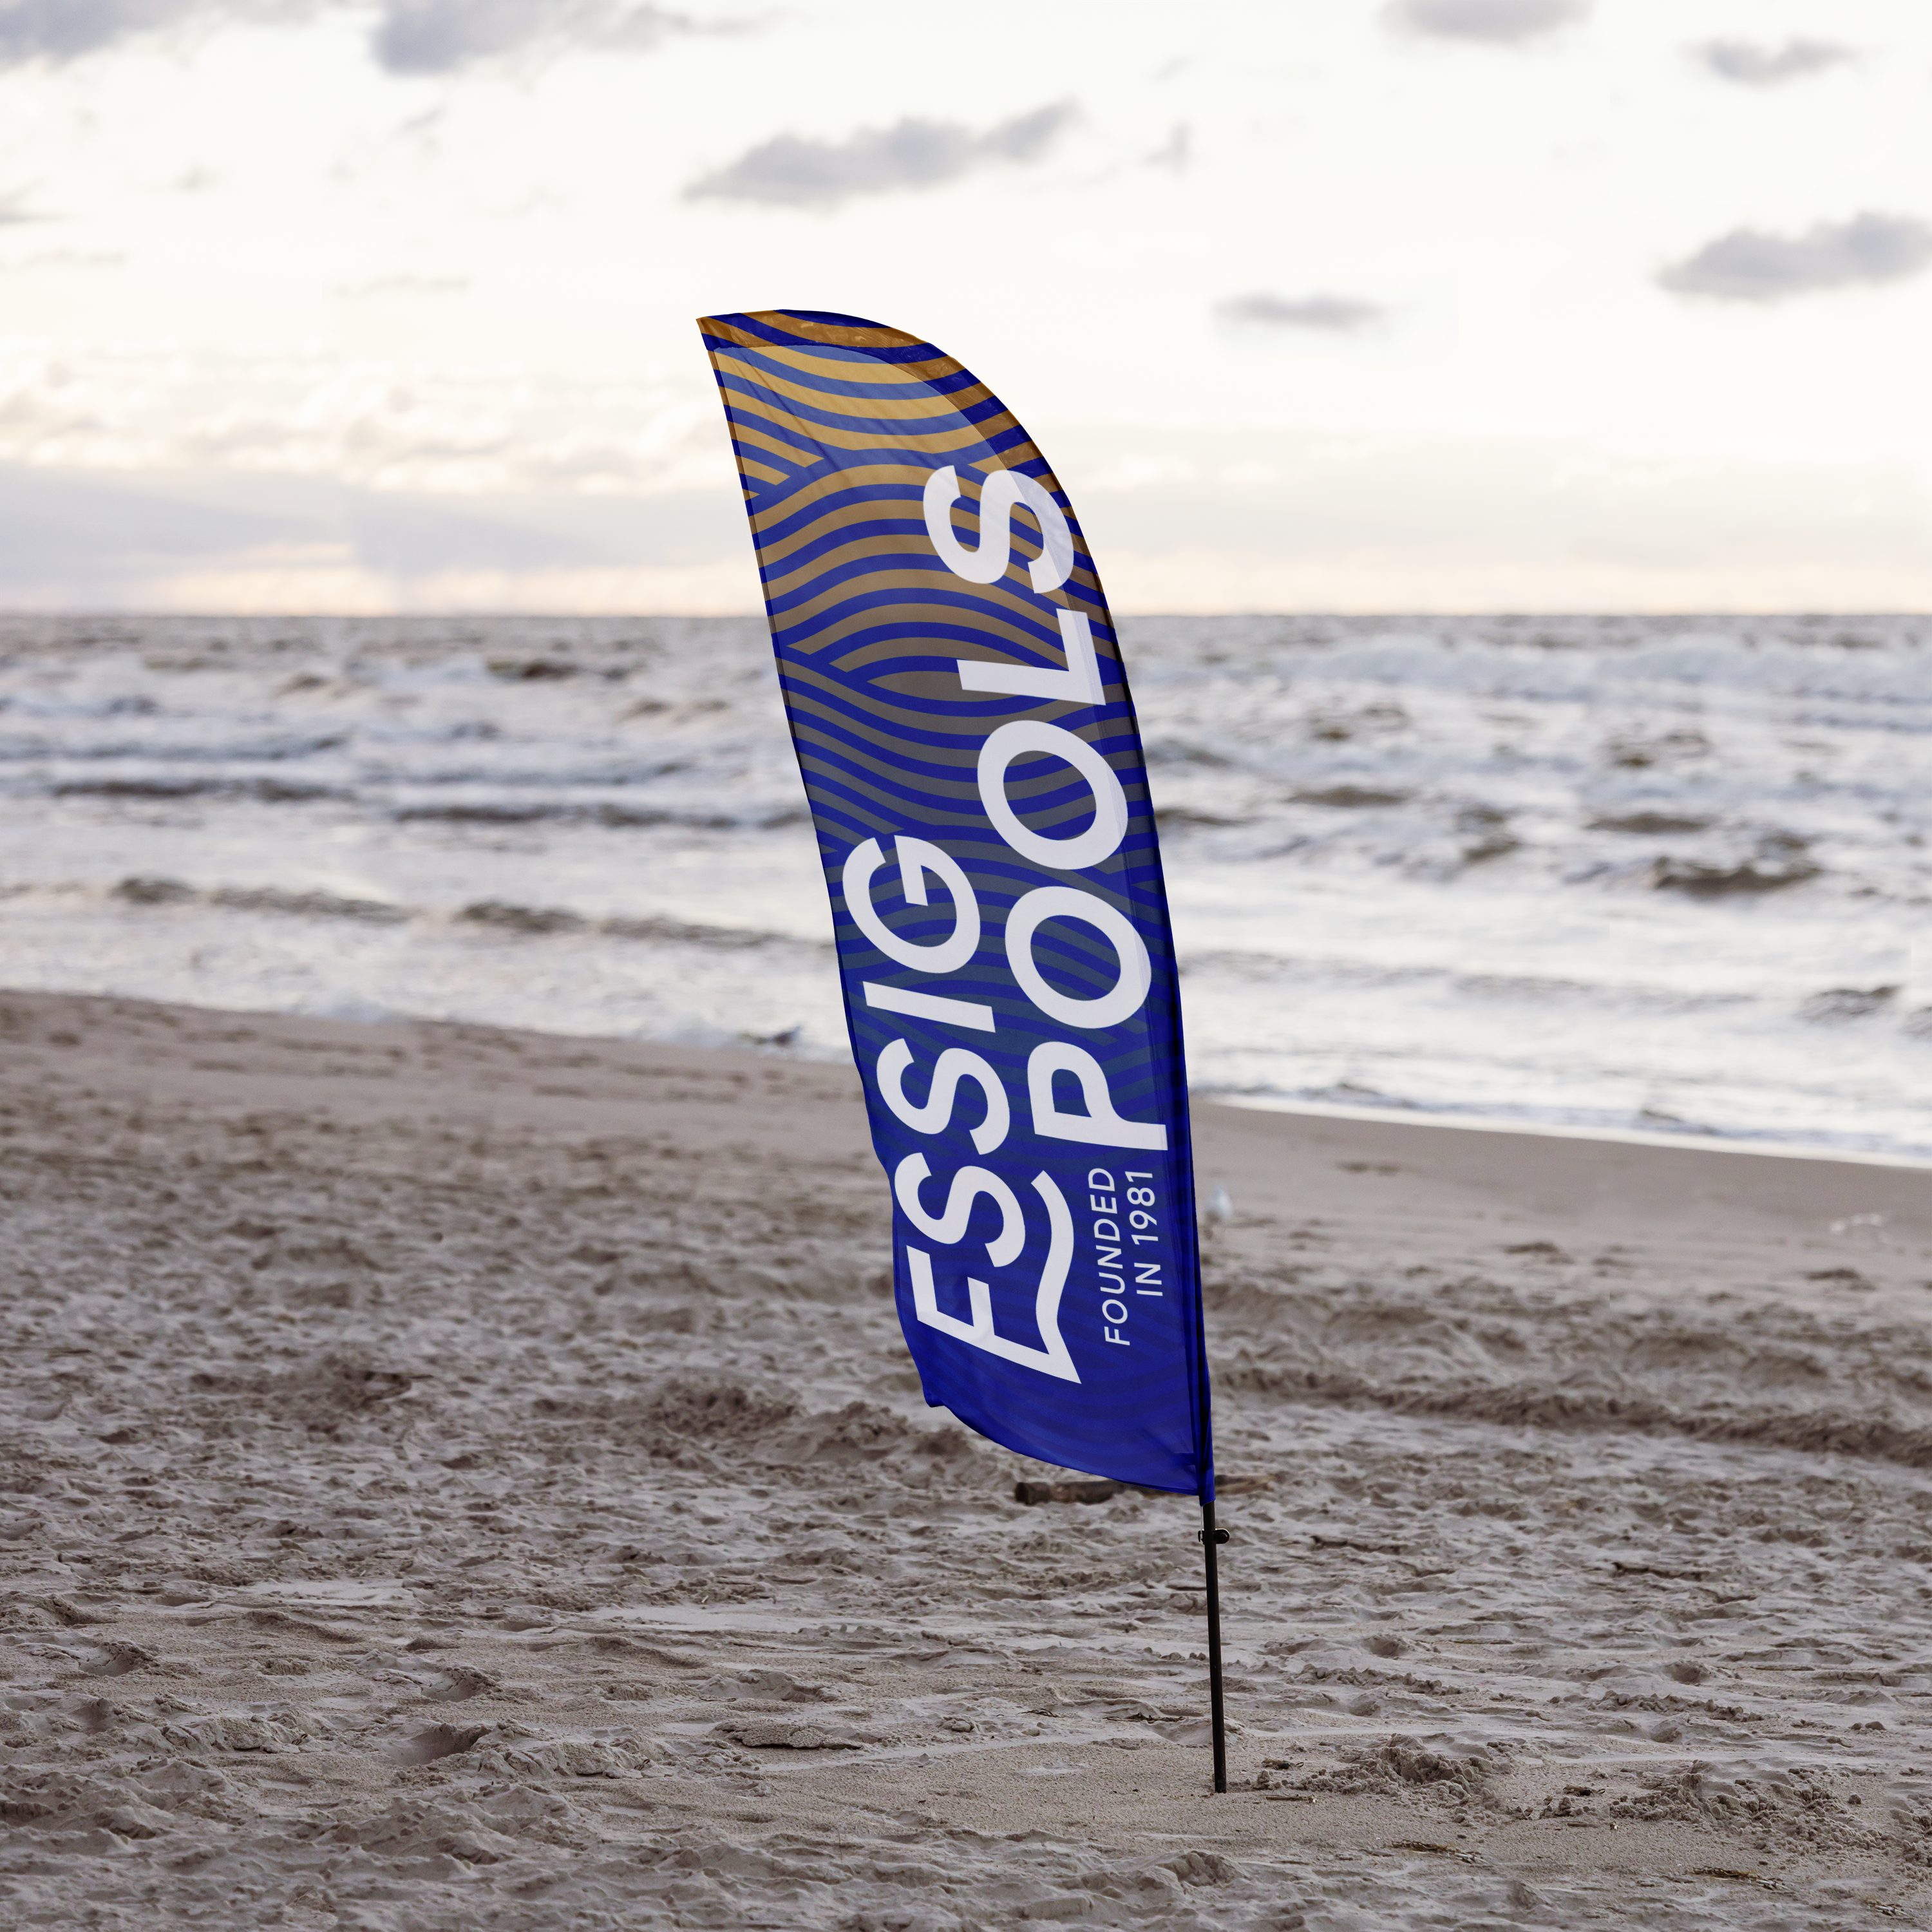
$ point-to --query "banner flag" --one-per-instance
(957, 702)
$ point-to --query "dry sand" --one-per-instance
(456, 1478)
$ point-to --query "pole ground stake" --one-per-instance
(1211, 1539)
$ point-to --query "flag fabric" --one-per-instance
(962, 721)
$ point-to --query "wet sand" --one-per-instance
(456, 1478)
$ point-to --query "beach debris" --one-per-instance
(782, 1734)
(1085, 1490)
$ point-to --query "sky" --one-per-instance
(1405, 305)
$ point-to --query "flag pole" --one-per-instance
(1211, 1538)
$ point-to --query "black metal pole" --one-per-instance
(1211, 1540)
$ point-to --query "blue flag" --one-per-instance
(962, 718)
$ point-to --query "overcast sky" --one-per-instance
(1444, 305)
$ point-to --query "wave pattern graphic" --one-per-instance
(885, 652)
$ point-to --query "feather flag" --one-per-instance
(962, 718)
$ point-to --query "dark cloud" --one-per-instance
(1747, 265)
(440, 36)
(1494, 20)
(1753, 66)
(793, 172)
(1338, 313)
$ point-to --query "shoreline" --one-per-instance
(1708, 1141)
(1394, 1113)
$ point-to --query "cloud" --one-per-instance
(793, 171)
(60, 30)
(1753, 66)
(424, 427)
(411, 36)
(1747, 265)
(199, 540)
(1501, 21)
(440, 36)
(1336, 313)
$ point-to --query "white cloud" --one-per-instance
(65, 30)
(1340, 314)
(429, 428)
(1749, 265)
(1502, 22)
(411, 36)
(792, 171)
(440, 36)
(1752, 65)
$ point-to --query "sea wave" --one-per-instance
(1612, 869)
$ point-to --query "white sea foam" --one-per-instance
(1633, 874)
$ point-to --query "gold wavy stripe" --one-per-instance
(944, 651)
(881, 409)
(992, 605)
(773, 554)
(956, 435)
(831, 369)
(746, 467)
(774, 551)
(986, 599)
(858, 475)
(911, 627)
(835, 483)
(797, 459)
(871, 335)
(1083, 583)
(860, 549)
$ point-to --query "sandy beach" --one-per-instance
(457, 1478)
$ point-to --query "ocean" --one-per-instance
(1616, 875)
